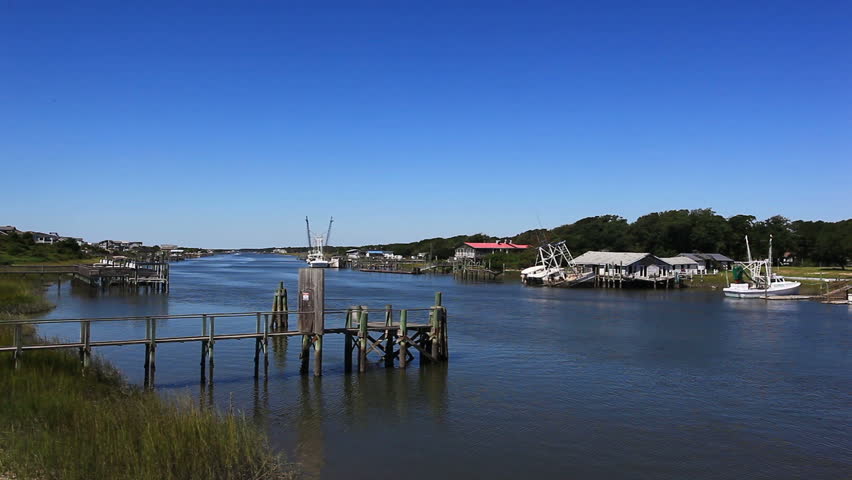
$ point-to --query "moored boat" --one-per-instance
(754, 279)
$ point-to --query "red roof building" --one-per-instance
(479, 250)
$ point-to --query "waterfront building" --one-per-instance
(682, 265)
(478, 250)
(624, 264)
(710, 262)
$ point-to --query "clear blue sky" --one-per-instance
(224, 126)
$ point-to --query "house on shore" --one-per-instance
(478, 250)
(8, 230)
(710, 262)
(631, 265)
(682, 265)
(45, 238)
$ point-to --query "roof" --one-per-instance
(496, 246)
(610, 258)
(680, 260)
(717, 257)
(7, 228)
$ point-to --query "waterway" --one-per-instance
(547, 383)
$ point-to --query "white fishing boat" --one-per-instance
(555, 266)
(316, 257)
(755, 279)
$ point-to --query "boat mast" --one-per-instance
(748, 250)
(769, 262)
(328, 233)
(308, 224)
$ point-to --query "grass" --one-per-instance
(814, 272)
(57, 423)
(21, 297)
(73, 261)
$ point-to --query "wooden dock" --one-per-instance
(385, 332)
(153, 275)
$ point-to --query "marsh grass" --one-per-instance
(58, 423)
(19, 296)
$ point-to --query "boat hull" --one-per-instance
(318, 264)
(788, 288)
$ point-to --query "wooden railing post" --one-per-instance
(389, 334)
(363, 318)
(203, 342)
(85, 340)
(19, 344)
(403, 335)
(347, 342)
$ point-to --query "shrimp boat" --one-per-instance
(754, 279)
(555, 266)
(316, 257)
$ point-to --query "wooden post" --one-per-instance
(265, 342)
(347, 342)
(19, 344)
(311, 315)
(275, 308)
(403, 334)
(85, 339)
(318, 355)
(203, 342)
(210, 343)
(434, 334)
(389, 336)
(257, 344)
(284, 307)
(362, 340)
(305, 354)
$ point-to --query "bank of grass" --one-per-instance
(19, 296)
(814, 272)
(56, 423)
(36, 261)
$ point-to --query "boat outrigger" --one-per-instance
(754, 279)
(555, 266)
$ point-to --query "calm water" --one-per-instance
(541, 382)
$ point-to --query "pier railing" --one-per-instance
(386, 332)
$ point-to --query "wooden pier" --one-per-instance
(153, 275)
(383, 332)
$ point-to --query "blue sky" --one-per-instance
(223, 126)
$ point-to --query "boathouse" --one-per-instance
(710, 262)
(630, 265)
(682, 265)
(479, 250)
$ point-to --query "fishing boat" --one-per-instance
(316, 257)
(755, 279)
(555, 266)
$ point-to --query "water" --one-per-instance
(541, 382)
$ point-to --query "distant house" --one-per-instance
(787, 259)
(710, 262)
(45, 238)
(478, 250)
(8, 230)
(78, 240)
(353, 254)
(684, 265)
(626, 264)
(375, 253)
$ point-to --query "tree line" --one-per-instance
(669, 233)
